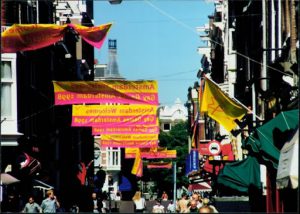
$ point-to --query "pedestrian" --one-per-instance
(96, 204)
(31, 206)
(118, 201)
(207, 203)
(171, 207)
(139, 202)
(164, 196)
(182, 203)
(193, 207)
(158, 207)
(197, 198)
(50, 204)
(205, 209)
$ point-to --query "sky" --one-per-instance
(156, 40)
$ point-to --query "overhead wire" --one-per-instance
(194, 31)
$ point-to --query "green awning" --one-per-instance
(264, 138)
(241, 175)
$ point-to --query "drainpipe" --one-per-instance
(263, 81)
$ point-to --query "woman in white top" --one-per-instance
(139, 202)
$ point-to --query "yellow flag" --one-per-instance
(220, 107)
(137, 168)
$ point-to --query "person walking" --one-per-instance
(193, 207)
(158, 207)
(164, 196)
(50, 204)
(171, 207)
(182, 203)
(96, 204)
(139, 202)
(31, 206)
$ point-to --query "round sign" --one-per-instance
(214, 147)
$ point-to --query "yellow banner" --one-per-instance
(113, 110)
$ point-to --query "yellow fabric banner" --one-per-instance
(113, 110)
(137, 168)
(220, 107)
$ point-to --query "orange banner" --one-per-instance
(159, 165)
(26, 37)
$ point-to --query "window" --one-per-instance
(167, 127)
(9, 128)
(6, 89)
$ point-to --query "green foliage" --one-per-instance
(175, 139)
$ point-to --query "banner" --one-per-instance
(221, 107)
(192, 161)
(123, 141)
(159, 165)
(137, 168)
(148, 153)
(129, 144)
(26, 37)
(138, 129)
(106, 91)
(113, 115)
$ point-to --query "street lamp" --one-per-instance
(115, 1)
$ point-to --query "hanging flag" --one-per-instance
(221, 107)
(26, 37)
(137, 168)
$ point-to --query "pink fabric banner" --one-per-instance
(26, 37)
(93, 35)
(125, 130)
(129, 144)
(106, 91)
(88, 121)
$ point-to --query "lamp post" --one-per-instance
(175, 180)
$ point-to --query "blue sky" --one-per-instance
(156, 40)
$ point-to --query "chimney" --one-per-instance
(112, 68)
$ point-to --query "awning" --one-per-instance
(125, 184)
(200, 187)
(288, 170)
(241, 175)
(269, 136)
(7, 179)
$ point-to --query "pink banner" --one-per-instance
(125, 130)
(106, 91)
(129, 144)
(88, 121)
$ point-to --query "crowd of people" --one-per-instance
(186, 204)
(193, 203)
